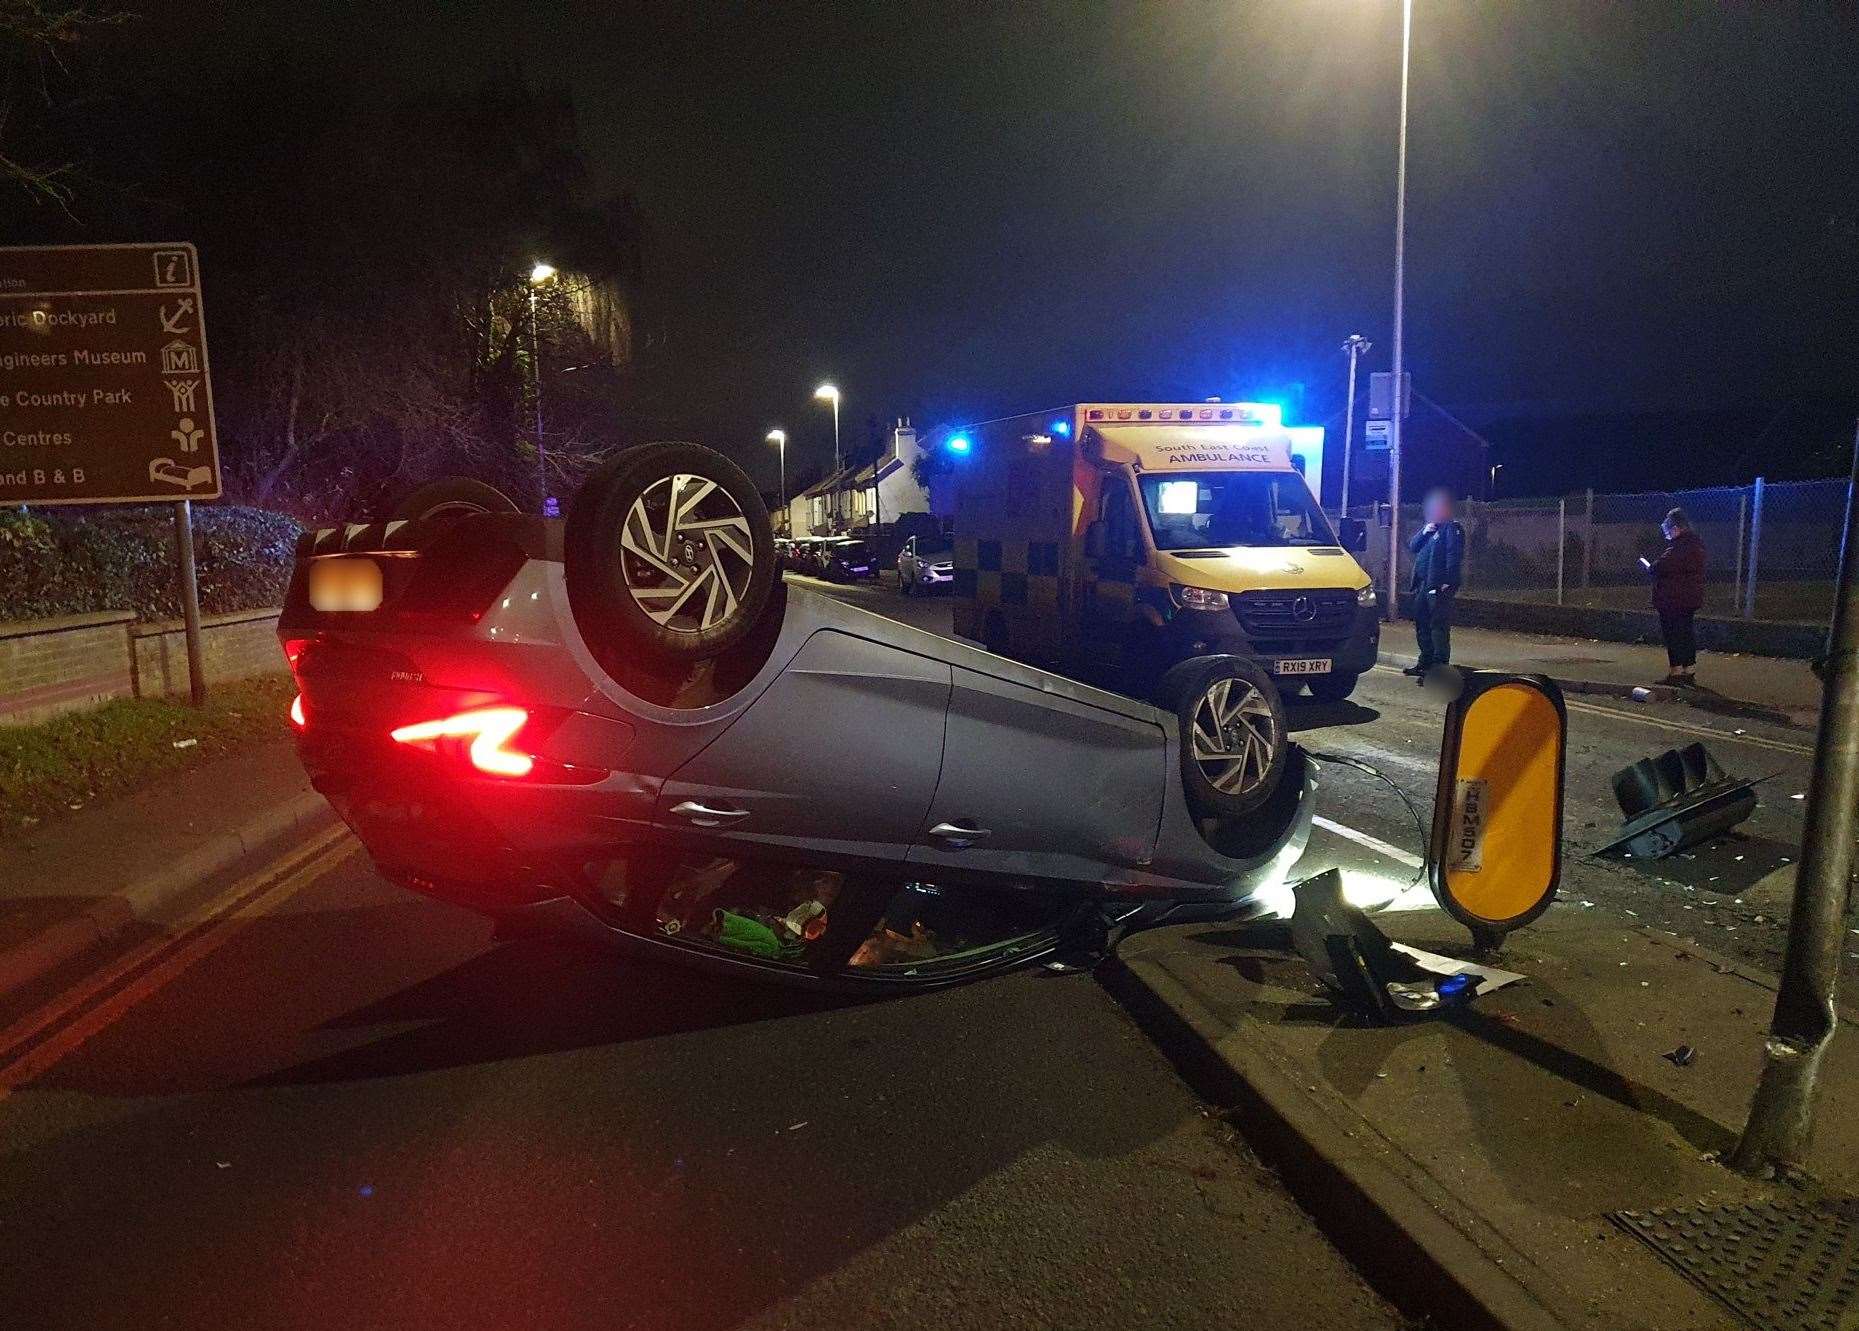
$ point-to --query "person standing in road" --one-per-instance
(1678, 595)
(1439, 558)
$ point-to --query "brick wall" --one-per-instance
(235, 646)
(48, 666)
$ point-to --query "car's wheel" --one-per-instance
(669, 547)
(452, 496)
(1234, 738)
(1332, 688)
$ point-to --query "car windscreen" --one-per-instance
(931, 549)
(1218, 509)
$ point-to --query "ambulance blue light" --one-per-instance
(958, 444)
(1062, 429)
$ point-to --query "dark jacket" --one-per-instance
(1439, 557)
(1678, 575)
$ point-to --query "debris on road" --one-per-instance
(1680, 1057)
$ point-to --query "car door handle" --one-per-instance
(959, 836)
(702, 815)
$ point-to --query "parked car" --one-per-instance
(926, 565)
(848, 559)
(625, 727)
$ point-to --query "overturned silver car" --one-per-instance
(625, 727)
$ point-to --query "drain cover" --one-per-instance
(1774, 1263)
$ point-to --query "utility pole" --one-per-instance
(1355, 347)
(1781, 1117)
(828, 393)
(1400, 301)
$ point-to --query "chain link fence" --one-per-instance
(1773, 548)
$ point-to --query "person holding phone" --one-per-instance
(1439, 560)
(1678, 595)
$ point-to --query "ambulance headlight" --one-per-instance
(1367, 595)
(1199, 598)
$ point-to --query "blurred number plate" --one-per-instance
(1317, 665)
(345, 584)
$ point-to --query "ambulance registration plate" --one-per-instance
(1314, 665)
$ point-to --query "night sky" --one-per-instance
(963, 210)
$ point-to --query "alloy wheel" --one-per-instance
(688, 553)
(1234, 737)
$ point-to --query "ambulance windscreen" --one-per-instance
(1232, 508)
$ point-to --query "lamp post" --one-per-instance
(1355, 346)
(1400, 301)
(779, 439)
(828, 393)
(541, 273)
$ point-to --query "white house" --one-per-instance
(879, 491)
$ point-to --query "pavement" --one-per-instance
(368, 1110)
(1766, 687)
(125, 869)
(1495, 1144)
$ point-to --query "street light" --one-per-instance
(539, 274)
(1355, 346)
(1400, 303)
(828, 393)
(779, 439)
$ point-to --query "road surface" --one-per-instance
(341, 1105)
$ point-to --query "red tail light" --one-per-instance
(296, 712)
(483, 734)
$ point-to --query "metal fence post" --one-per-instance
(1755, 551)
(1587, 544)
(1742, 521)
(1562, 541)
(1465, 550)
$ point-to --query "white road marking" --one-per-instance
(1708, 732)
(41, 1039)
(1375, 844)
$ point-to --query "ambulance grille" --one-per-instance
(1308, 618)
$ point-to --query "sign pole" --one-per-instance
(190, 600)
(1392, 607)
(1781, 1117)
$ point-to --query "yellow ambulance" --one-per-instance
(1111, 541)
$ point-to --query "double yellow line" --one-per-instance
(42, 1038)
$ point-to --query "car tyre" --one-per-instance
(452, 497)
(1332, 688)
(1234, 738)
(669, 548)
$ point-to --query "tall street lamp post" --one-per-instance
(1400, 301)
(779, 439)
(541, 273)
(828, 393)
(1355, 347)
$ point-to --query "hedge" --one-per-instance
(54, 563)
